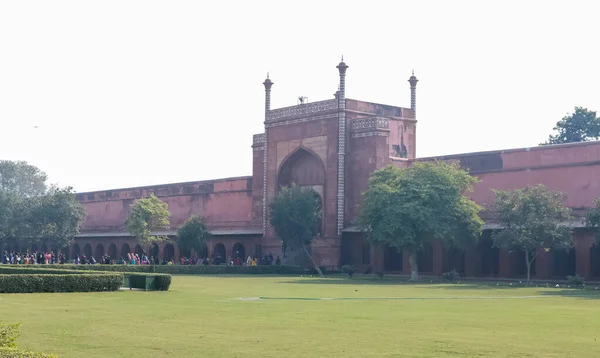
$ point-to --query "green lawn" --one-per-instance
(200, 316)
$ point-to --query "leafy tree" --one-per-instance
(146, 216)
(22, 179)
(531, 220)
(193, 234)
(32, 212)
(581, 126)
(295, 213)
(54, 217)
(592, 217)
(407, 208)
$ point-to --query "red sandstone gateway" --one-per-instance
(333, 146)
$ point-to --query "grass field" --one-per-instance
(202, 316)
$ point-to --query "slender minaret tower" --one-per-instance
(268, 83)
(413, 93)
(342, 67)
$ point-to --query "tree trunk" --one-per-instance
(528, 263)
(414, 269)
(314, 263)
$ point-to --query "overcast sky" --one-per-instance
(127, 93)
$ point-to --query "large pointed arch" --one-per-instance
(302, 167)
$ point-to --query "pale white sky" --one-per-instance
(129, 93)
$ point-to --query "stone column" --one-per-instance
(583, 243)
(377, 258)
(438, 257)
(505, 262)
(472, 257)
(542, 264)
(341, 193)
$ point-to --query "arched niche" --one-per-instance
(304, 168)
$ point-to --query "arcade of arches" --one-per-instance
(224, 247)
(482, 261)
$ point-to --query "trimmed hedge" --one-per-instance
(162, 282)
(8, 343)
(9, 334)
(6, 352)
(179, 269)
(29, 283)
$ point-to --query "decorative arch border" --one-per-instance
(321, 195)
(292, 153)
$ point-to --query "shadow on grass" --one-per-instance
(475, 286)
(574, 293)
(348, 281)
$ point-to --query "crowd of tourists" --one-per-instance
(39, 258)
(238, 260)
(31, 258)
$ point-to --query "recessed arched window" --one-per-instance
(304, 168)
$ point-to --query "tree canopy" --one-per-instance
(531, 219)
(193, 234)
(592, 218)
(408, 208)
(146, 216)
(295, 213)
(581, 126)
(22, 179)
(32, 212)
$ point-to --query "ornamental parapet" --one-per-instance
(259, 141)
(371, 126)
(302, 110)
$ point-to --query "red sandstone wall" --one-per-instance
(223, 203)
(571, 168)
(581, 184)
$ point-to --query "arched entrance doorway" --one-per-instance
(87, 251)
(203, 252)
(169, 252)
(125, 249)
(306, 169)
(112, 252)
(99, 252)
(138, 251)
(75, 251)
(489, 256)
(595, 261)
(219, 254)
(155, 251)
(425, 259)
(564, 263)
(392, 259)
(454, 259)
(239, 251)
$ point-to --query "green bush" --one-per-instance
(348, 270)
(8, 343)
(178, 269)
(162, 281)
(575, 280)
(38, 269)
(29, 283)
(9, 334)
(6, 352)
(450, 276)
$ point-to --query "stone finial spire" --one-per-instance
(413, 93)
(268, 83)
(341, 97)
